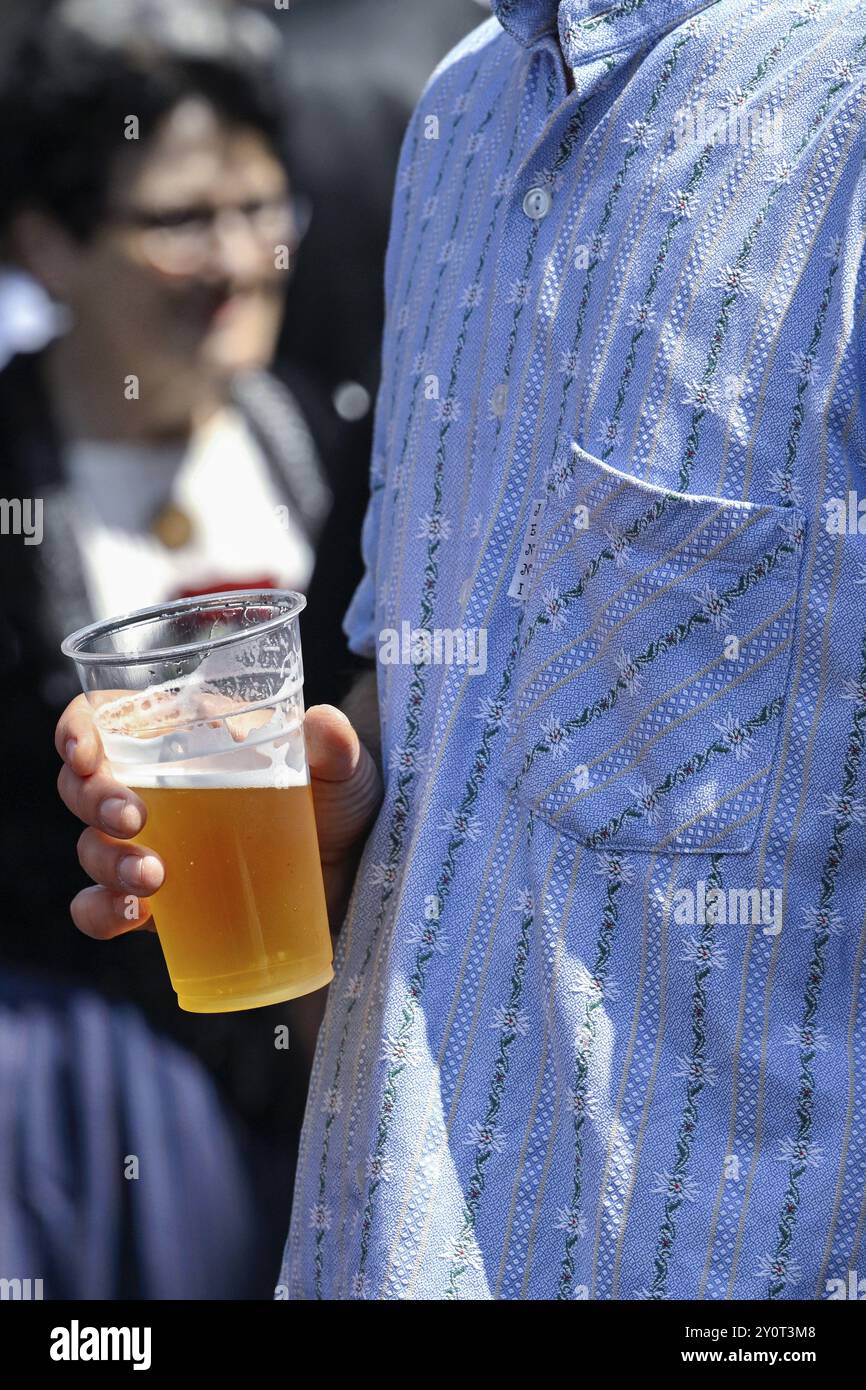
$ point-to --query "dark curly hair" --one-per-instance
(77, 69)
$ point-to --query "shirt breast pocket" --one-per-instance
(652, 672)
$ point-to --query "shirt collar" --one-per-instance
(590, 28)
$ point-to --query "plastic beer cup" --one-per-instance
(199, 705)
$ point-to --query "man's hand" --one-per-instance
(347, 792)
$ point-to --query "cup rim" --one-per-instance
(294, 602)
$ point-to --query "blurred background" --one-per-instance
(194, 211)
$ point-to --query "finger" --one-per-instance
(99, 913)
(121, 867)
(333, 747)
(76, 737)
(102, 801)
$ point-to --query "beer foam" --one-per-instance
(145, 779)
(183, 733)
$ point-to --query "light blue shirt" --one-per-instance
(597, 1026)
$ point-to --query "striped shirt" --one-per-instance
(596, 1029)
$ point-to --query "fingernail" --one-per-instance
(71, 745)
(120, 816)
(134, 868)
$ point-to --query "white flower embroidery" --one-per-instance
(494, 711)
(554, 606)
(841, 71)
(463, 1251)
(406, 760)
(320, 1216)
(332, 1101)
(784, 486)
(800, 1151)
(647, 801)
(429, 935)
(567, 1219)
(794, 528)
(554, 733)
(518, 292)
(581, 1103)
(629, 672)
(639, 132)
(383, 875)
(778, 1267)
(487, 1137)
(595, 988)
(640, 314)
(459, 822)
(509, 1019)
(735, 735)
(610, 431)
(569, 363)
(448, 410)
(844, 807)
(354, 987)
(379, 1168)
(833, 249)
(397, 1051)
(473, 295)
(680, 202)
(433, 528)
(620, 545)
(734, 278)
(675, 1185)
(823, 919)
(614, 865)
(558, 477)
(806, 1037)
(781, 173)
(695, 1069)
(803, 365)
(702, 394)
(524, 903)
(713, 605)
(732, 99)
(703, 952)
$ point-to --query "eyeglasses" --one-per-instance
(179, 241)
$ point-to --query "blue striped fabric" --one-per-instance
(595, 1029)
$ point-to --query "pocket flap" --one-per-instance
(653, 666)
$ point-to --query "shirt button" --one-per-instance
(537, 203)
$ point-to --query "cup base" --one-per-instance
(256, 999)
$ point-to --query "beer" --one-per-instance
(199, 703)
(241, 916)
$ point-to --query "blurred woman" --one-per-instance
(144, 187)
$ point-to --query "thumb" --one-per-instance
(333, 747)
(347, 788)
